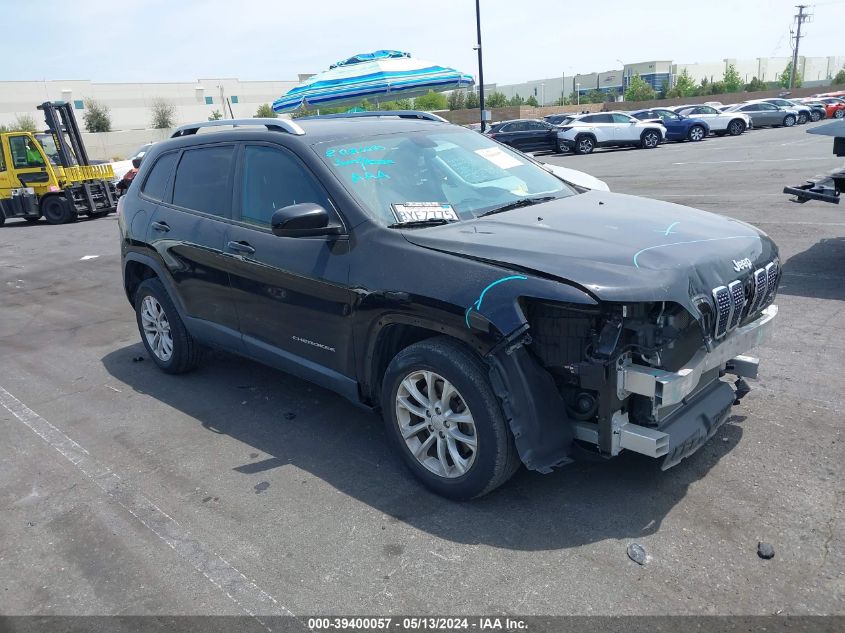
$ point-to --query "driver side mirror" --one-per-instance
(305, 219)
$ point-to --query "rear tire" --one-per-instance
(736, 127)
(696, 133)
(815, 116)
(584, 144)
(56, 210)
(458, 459)
(174, 351)
(802, 118)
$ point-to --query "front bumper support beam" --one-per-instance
(667, 388)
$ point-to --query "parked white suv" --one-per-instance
(721, 123)
(609, 129)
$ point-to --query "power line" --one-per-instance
(800, 18)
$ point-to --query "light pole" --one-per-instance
(578, 93)
(480, 64)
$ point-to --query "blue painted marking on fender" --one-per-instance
(671, 226)
(712, 239)
(477, 303)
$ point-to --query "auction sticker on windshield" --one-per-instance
(498, 157)
(422, 211)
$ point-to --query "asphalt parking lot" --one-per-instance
(238, 489)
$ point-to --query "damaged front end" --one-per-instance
(648, 377)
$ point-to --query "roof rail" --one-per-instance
(402, 114)
(275, 125)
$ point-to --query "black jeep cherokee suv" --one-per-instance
(493, 313)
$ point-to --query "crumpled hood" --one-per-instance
(617, 247)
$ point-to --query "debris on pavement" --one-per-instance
(636, 553)
(765, 550)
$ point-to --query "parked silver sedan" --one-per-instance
(763, 114)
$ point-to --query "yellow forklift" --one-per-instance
(50, 174)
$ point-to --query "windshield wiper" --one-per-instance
(525, 202)
(413, 224)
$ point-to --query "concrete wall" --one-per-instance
(129, 103)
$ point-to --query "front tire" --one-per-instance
(736, 127)
(838, 114)
(802, 118)
(788, 120)
(168, 342)
(443, 418)
(815, 116)
(56, 210)
(696, 133)
(650, 139)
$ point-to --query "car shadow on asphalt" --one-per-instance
(293, 422)
(816, 272)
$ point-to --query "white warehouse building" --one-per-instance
(129, 103)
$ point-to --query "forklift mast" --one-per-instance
(58, 115)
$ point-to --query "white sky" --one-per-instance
(173, 40)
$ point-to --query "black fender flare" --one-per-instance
(160, 271)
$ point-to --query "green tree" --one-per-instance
(839, 79)
(532, 101)
(684, 86)
(516, 100)
(457, 100)
(755, 85)
(717, 88)
(404, 104)
(215, 115)
(786, 75)
(639, 90)
(431, 101)
(471, 102)
(96, 116)
(495, 100)
(22, 123)
(596, 96)
(265, 111)
(164, 114)
(731, 79)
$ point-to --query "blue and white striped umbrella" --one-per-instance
(388, 74)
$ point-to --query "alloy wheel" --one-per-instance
(696, 133)
(436, 424)
(651, 140)
(839, 114)
(585, 145)
(789, 121)
(156, 328)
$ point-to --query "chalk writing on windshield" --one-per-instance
(368, 175)
(352, 151)
(362, 160)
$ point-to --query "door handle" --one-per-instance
(241, 247)
(161, 227)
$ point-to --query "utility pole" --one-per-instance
(480, 65)
(799, 18)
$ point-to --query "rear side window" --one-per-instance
(272, 179)
(202, 180)
(603, 118)
(155, 186)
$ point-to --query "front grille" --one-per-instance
(740, 300)
(724, 310)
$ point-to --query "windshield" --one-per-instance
(447, 175)
(48, 143)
